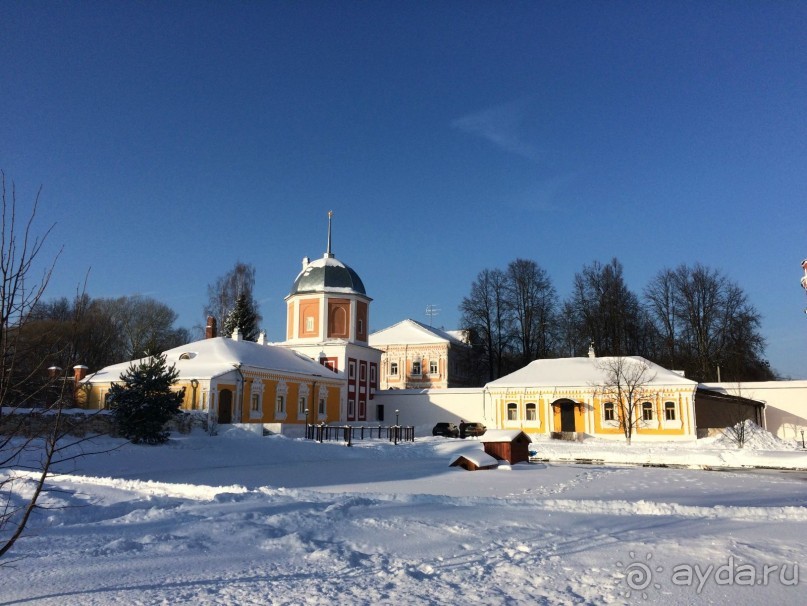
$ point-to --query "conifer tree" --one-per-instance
(145, 403)
(242, 317)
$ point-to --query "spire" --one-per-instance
(328, 253)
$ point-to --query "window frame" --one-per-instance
(393, 369)
(609, 411)
(647, 412)
(512, 411)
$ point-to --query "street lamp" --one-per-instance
(802, 439)
(306, 423)
(397, 411)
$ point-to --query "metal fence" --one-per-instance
(349, 433)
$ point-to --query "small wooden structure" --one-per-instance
(511, 445)
(473, 460)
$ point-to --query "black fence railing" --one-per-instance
(349, 433)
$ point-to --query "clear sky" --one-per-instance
(172, 139)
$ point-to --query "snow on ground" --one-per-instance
(240, 519)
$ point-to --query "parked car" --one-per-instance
(448, 430)
(468, 430)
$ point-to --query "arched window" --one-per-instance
(669, 411)
(531, 412)
(512, 411)
(608, 412)
(647, 411)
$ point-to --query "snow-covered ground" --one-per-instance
(240, 519)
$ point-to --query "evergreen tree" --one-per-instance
(242, 317)
(145, 403)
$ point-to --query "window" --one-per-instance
(301, 407)
(372, 374)
(416, 368)
(321, 409)
(393, 369)
(608, 411)
(280, 405)
(309, 324)
(361, 326)
(531, 412)
(669, 411)
(512, 411)
(363, 372)
(256, 403)
(351, 370)
(351, 408)
(647, 411)
(433, 367)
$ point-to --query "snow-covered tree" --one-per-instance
(225, 291)
(243, 317)
(145, 403)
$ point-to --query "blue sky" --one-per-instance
(173, 139)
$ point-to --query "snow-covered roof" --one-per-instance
(411, 332)
(210, 358)
(502, 435)
(583, 372)
(476, 456)
(328, 274)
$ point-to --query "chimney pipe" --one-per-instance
(80, 372)
(210, 329)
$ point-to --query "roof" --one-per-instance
(412, 332)
(211, 358)
(583, 372)
(328, 274)
(502, 435)
(477, 456)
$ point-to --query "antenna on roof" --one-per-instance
(328, 253)
(431, 312)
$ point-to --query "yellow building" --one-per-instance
(237, 381)
(574, 396)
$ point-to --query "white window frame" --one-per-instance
(417, 364)
(309, 324)
(648, 406)
(675, 423)
(531, 408)
(434, 367)
(393, 369)
(351, 408)
(280, 400)
(512, 407)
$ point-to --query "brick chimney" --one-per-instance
(80, 372)
(54, 372)
(210, 329)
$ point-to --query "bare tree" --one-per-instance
(533, 302)
(225, 291)
(702, 321)
(486, 315)
(20, 291)
(607, 311)
(625, 383)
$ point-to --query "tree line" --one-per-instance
(691, 318)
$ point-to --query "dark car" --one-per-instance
(469, 430)
(448, 430)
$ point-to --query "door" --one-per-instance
(225, 407)
(567, 417)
